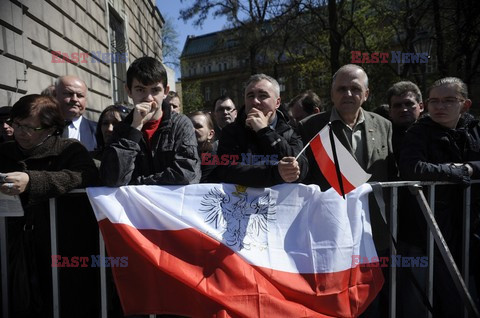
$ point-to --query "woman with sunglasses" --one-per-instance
(108, 119)
(36, 166)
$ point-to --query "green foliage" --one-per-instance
(192, 98)
(315, 37)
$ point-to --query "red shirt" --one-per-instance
(149, 128)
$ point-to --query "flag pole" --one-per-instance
(308, 144)
(335, 159)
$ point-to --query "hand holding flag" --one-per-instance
(335, 162)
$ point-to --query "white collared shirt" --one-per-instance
(73, 130)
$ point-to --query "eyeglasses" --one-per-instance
(447, 101)
(26, 129)
(409, 105)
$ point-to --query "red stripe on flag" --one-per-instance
(186, 272)
(327, 166)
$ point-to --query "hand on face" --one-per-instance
(147, 100)
(142, 113)
(256, 120)
(289, 169)
(15, 183)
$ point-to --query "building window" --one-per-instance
(219, 67)
(207, 94)
(118, 58)
(301, 83)
(224, 66)
(204, 70)
(209, 69)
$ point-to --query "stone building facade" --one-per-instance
(96, 40)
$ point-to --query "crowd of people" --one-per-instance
(48, 148)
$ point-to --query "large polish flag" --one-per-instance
(351, 172)
(222, 250)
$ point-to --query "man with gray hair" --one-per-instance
(405, 106)
(71, 93)
(366, 135)
(259, 148)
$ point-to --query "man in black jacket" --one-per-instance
(259, 148)
(153, 145)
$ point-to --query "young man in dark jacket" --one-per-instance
(152, 145)
(259, 148)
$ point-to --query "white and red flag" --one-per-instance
(220, 250)
(336, 163)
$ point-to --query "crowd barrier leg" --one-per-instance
(103, 279)
(54, 250)
(3, 251)
(466, 240)
(392, 300)
(430, 250)
(445, 251)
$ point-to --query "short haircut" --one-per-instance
(45, 108)
(172, 94)
(402, 88)
(351, 67)
(49, 91)
(147, 70)
(221, 98)
(455, 81)
(309, 101)
(117, 108)
(259, 77)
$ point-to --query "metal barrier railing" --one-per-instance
(434, 235)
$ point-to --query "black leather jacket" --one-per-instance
(429, 149)
(427, 155)
(172, 160)
(237, 140)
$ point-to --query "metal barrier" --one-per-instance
(427, 204)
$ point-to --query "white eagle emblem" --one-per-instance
(242, 222)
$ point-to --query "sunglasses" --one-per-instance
(121, 109)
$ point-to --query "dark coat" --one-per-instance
(237, 140)
(428, 152)
(88, 129)
(173, 158)
(429, 148)
(55, 168)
